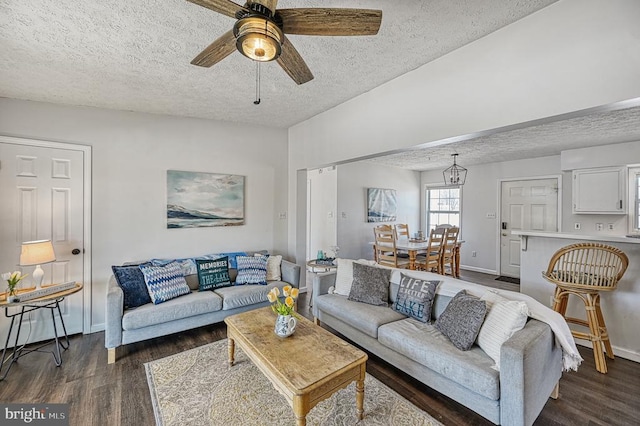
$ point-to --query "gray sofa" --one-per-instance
(530, 361)
(189, 311)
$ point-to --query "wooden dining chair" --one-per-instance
(448, 250)
(402, 231)
(430, 260)
(386, 253)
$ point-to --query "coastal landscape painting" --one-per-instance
(196, 200)
(381, 205)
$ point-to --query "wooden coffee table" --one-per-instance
(306, 368)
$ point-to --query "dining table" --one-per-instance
(413, 247)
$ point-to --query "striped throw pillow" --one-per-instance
(252, 270)
(503, 319)
(164, 282)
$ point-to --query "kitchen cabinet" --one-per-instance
(599, 191)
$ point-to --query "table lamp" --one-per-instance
(37, 253)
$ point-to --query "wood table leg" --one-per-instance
(300, 409)
(360, 398)
(231, 346)
(412, 259)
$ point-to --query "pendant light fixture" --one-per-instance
(454, 175)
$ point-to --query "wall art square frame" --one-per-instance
(381, 205)
(197, 200)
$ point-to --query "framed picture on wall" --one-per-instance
(196, 200)
(381, 205)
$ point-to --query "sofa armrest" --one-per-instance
(290, 273)
(322, 282)
(113, 314)
(530, 367)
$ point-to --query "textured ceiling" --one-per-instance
(134, 55)
(593, 129)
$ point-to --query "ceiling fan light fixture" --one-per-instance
(258, 38)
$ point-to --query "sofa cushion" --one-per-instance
(189, 305)
(134, 289)
(361, 316)
(213, 273)
(462, 319)
(273, 268)
(370, 285)
(415, 298)
(243, 295)
(344, 274)
(424, 344)
(164, 282)
(252, 270)
(504, 318)
(188, 265)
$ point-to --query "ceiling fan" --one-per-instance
(259, 32)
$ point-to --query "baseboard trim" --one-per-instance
(96, 328)
(617, 351)
(476, 269)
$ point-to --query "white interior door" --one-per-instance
(42, 192)
(527, 205)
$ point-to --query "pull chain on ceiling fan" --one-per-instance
(259, 32)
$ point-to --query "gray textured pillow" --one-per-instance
(462, 319)
(370, 285)
(415, 298)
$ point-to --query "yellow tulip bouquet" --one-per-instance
(290, 295)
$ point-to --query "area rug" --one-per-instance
(508, 279)
(198, 388)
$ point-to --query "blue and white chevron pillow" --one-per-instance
(252, 270)
(164, 282)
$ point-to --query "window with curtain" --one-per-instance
(443, 206)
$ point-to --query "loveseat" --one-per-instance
(195, 309)
(511, 393)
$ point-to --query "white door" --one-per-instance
(41, 193)
(527, 205)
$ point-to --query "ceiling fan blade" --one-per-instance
(216, 51)
(330, 22)
(225, 7)
(293, 64)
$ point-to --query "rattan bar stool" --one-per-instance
(584, 270)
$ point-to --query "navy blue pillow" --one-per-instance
(131, 280)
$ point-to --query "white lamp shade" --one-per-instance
(37, 253)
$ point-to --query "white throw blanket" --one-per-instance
(571, 358)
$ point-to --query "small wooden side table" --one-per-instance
(51, 302)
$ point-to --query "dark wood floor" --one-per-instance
(117, 394)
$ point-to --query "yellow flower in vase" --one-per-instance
(286, 308)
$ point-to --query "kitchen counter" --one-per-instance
(524, 235)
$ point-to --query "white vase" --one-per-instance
(285, 325)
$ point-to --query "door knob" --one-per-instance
(75, 252)
(504, 234)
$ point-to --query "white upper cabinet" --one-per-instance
(599, 191)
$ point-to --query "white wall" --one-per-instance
(322, 214)
(354, 232)
(131, 153)
(480, 195)
(571, 55)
